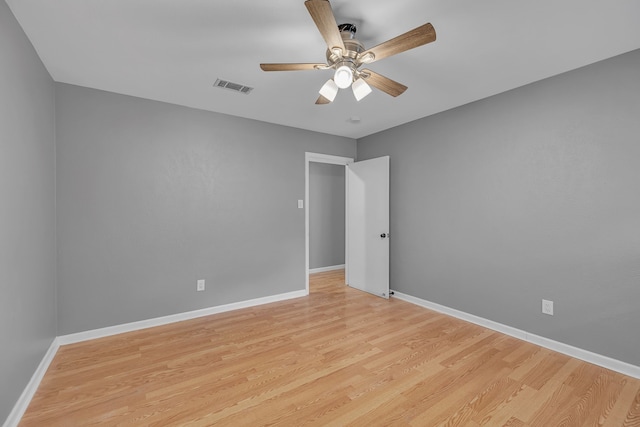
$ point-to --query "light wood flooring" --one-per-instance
(338, 357)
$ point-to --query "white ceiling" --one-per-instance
(173, 51)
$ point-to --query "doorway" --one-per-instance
(327, 213)
(326, 159)
(366, 222)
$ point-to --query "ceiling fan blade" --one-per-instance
(383, 83)
(322, 15)
(409, 40)
(292, 67)
(322, 100)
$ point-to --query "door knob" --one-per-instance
(383, 235)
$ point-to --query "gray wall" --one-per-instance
(27, 211)
(531, 194)
(153, 196)
(326, 214)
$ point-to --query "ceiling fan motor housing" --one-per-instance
(352, 45)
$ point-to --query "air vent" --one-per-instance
(236, 87)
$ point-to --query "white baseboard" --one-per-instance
(25, 398)
(159, 321)
(27, 394)
(323, 269)
(588, 356)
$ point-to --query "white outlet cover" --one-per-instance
(200, 285)
(547, 307)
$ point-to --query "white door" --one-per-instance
(367, 243)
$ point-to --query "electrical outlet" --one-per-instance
(200, 285)
(547, 307)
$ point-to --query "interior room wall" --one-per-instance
(530, 194)
(27, 211)
(152, 197)
(326, 215)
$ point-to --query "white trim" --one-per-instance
(318, 158)
(32, 386)
(328, 158)
(159, 321)
(323, 269)
(346, 224)
(588, 356)
(25, 398)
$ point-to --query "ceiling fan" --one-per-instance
(346, 55)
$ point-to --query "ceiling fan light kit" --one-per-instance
(360, 89)
(343, 76)
(329, 90)
(346, 55)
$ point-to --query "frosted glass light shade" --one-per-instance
(343, 77)
(329, 90)
(360, 89)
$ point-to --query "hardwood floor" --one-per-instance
(338, 357)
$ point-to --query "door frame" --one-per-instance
(320, 158)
